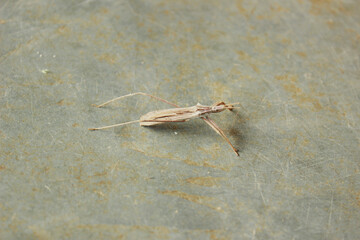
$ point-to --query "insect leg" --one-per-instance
(129, 95)
(115, 125)
(164, 121)
(215, 127)
(134, 94)
(229, 106)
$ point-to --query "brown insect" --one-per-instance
(176, 114)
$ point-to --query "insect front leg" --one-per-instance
(215, 127)
(227, 106)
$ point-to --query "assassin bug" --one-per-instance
(177, 114)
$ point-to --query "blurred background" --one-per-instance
(293, 65)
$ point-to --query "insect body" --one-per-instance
(177, 114)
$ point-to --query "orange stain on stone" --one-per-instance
(319, 7)
(203, 200)
(301, 98)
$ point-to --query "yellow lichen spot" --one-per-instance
(104, 10)
(301, 54)
(63, 30)
(241, 9)
(326, 6)
(107, 57)
(204, 181)
(298, 94)
(286, 41)
(210, 202)
(255, 68)
(286, 77)
(197, 46)
(243, 55)
(64, 102)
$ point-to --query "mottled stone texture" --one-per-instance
(293, 65)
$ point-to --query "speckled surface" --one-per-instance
(293, 65)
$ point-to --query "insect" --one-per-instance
(177, 114)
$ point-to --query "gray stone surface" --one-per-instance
(293, 65)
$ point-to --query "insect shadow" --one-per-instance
(238, 131)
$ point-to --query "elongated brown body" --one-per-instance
(177, 114)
